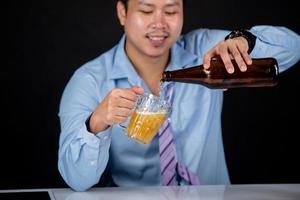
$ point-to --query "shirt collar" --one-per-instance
(122, 67)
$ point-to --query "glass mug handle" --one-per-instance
(124, 124)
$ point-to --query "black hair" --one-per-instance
(125, 2)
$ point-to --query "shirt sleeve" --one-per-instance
(272, 41)
(200, 41)
(83, 156)
(278, 42)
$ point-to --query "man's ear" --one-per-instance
(121, 10)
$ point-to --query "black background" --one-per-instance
(46, 41)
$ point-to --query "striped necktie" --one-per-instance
(172, 170)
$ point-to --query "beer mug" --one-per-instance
(150, 112)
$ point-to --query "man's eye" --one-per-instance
(147, 12)
(170, 13)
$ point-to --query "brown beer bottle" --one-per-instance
(262, 72)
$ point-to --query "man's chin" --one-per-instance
(157, 53)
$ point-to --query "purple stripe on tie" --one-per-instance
(163, 128)
(167, 154)
(167, 160)
(168, 164)
(165, 147)
(164, 141)
(170, 169)
(169, 173)
(163, 136)
(168, 178)
(172, 180)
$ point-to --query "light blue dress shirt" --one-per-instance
(195, 118)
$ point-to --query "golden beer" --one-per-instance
(143, 126)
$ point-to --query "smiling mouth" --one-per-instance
(157, 40)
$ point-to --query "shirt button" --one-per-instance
(105, 137)
(95, 141)
(93, 162)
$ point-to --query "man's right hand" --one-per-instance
(115, 108)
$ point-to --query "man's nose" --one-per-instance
(159, 21)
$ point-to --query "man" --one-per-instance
(101, 94)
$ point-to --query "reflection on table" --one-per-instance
(232, 192)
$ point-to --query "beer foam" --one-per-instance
(151, 113)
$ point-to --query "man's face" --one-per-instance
(151, 26)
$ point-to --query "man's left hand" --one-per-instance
(235, 48)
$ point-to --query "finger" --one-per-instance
(128, 94)
(121, 98)
(138, 90)
(227, 61)
(131, 93)
(207, 58)
(245, 56)
(121, 119)
(237, 57)
(123, 112)
(116, 114)
(125, 103)
(118, 120)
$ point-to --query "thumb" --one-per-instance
(207, 59)
(138, 90)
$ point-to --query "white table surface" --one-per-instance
(232, 192)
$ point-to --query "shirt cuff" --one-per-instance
(259, 49)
